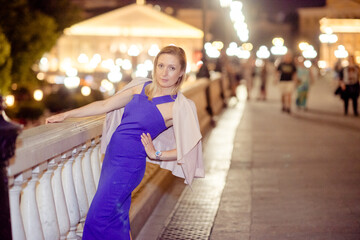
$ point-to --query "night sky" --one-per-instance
(270, 6)
(286, 6)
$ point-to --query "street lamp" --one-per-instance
(309, 52)
(328, 38)
(341, 52)
(278, 48)
(303, 45)
(263, 52)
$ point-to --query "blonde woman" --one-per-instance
(145, 109)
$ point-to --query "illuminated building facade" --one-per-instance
(341, 17)
(104, 49)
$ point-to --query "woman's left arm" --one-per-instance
(151, 151)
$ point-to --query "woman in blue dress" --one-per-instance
(148, 111)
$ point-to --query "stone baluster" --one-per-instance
(46, 204)
(95, 164)
(17, 227)
(29, 209)
(59, 199)
(79, 183)
(88, 174)
(100, 157)
(70, 194)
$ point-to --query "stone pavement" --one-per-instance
(290, 176)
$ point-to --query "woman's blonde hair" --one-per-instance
(151, 89)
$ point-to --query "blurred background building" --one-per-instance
(118, 45)
(338, 22)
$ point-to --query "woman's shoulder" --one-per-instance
(137, 84)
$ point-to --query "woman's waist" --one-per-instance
(135, 134)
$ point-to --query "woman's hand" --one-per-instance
(56, 118)
(342, 85)
(148, 145)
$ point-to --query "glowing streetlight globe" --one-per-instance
(309, 52)
(307, 63)
(303, 45)
(72, 82)
(9, 100)
(71, 72)
(38, 95)
(212, 52)
(322, 64)
(328, 38)
(126, 65)
(263, 52)
(115, 76)
(232, 49)
(218, 45)
(243, 54)
(85, 91)
(278, 50)
(154, 50)
(83, 58)
(341, 52)
(149, 65)
(40, 76)
(278, 41)
(133, 51)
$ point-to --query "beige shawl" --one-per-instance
(184, 135)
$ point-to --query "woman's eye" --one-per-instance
(172, 68)
(160, 65)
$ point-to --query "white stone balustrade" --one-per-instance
(53, 178)
(54, 174)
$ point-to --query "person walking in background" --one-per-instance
(349, 83)
(304, 78)
(263, 79)
(287, 72)
(337, 69)
(249, 74)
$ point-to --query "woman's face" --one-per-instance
(168, 70)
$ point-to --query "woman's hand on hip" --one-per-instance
(148, 145)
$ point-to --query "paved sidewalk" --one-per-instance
(291, 177)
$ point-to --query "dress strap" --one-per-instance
(143, 90)
(164, 99)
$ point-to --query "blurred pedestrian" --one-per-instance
(349, 83)
(287, 72)
(263, 79)
(249, 74)
(304, 78)
(337, 69)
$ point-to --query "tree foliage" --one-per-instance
(63, 11)
(32, 28)
(5, 64)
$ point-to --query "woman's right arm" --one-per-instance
(96, 108)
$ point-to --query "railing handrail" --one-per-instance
(36, 145)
